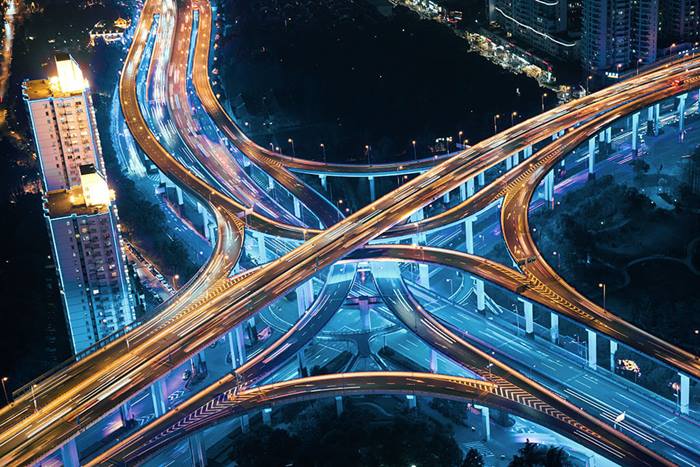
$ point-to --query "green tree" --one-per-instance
(473, 458)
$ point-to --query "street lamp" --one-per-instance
(36, 409)
(4, 389)
(459, 136)
(601, 285)
(291, 141)
(512, 116)
(176, 277)
(415, 157)
(368, 148)
(619, 66)
(449, 281)
(495, 127)
(543, 96)
(588, 79)
(639, 60)
(323, 150)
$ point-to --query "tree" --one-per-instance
(473, 458)
(533, 454)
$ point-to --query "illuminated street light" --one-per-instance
(323, 150)
(495, 127)
(512, 116)
(543, 96)
(602, 285)
(291, 141)
(4, 389)
(415, 157)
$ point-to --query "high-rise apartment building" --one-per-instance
(81, 217)
(680, 21)
(537, 24)
(618, 35)
(63, 120)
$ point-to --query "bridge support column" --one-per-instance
(463, 192)
(69, 454)
(236, 345)
(125, 414)
(480, 295)
(267, 416)
(198, 450)
(324, 181)
(509, 163)
(469, 234)
(481, 178)
(297, 208)
(684, 394)
(245, 423)
(529, 319)
(419, 238)
(516, 159)
(635, 131)
(446, 197)
(178, 194)
(553, 327)
(301, 361)
(159, 398)
(364, 315)
(262, 251)
(411, 400)
(549, 187)
(527, 152)
(657, 115)
(270, 183)
(338, 405)
(681, 111)
(613, 351)
(433, 361)
(485, 421)
(424, 275)
(591, 157)
(372, 189)
(608, 135)
(592, 349)
(470, 187)
(305, 296)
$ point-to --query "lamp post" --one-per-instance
(175, 279)
(413, 143)
(639, 60)
(368, 149)
(512, 116)
(323, 151)
(543, 96)
(459, 136)
(588, 80)
(495, 126)
(4, 389)
(291, 141)
(602, 285)
(36, 409)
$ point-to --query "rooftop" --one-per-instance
(62, 203)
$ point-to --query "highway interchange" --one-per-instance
(213, 303)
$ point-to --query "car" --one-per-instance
(678, 82)
(186, 375)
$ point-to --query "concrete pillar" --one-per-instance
(469, 234)
(69, 454)
(305, 296)
(549, 186)
(270, 183)
(446, 197)
(267, 416)
(236, 345)
(592, 349)
(245, 423)
(613, 351)
(509, 163)
(419, 238)
(159, 398)
(529, 318)
(684, 394)
(125, 414)
(297, 208)
(591, 156)
(324, 181)
(424, 275)
(516, 159)
(554, 327)
(485, 421)
(481, 179)
(262, 251)
(411, 400)
(527, 152)
(301, 361)
(198, 450)
(657, 114)
(635, 130)
(364, 315)
(480, 294)
(681, 111)
(608, 135)
(338, 405)
(178, 194)
(463, 192)
(372, 189)
(470, 188)
(433, 361)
